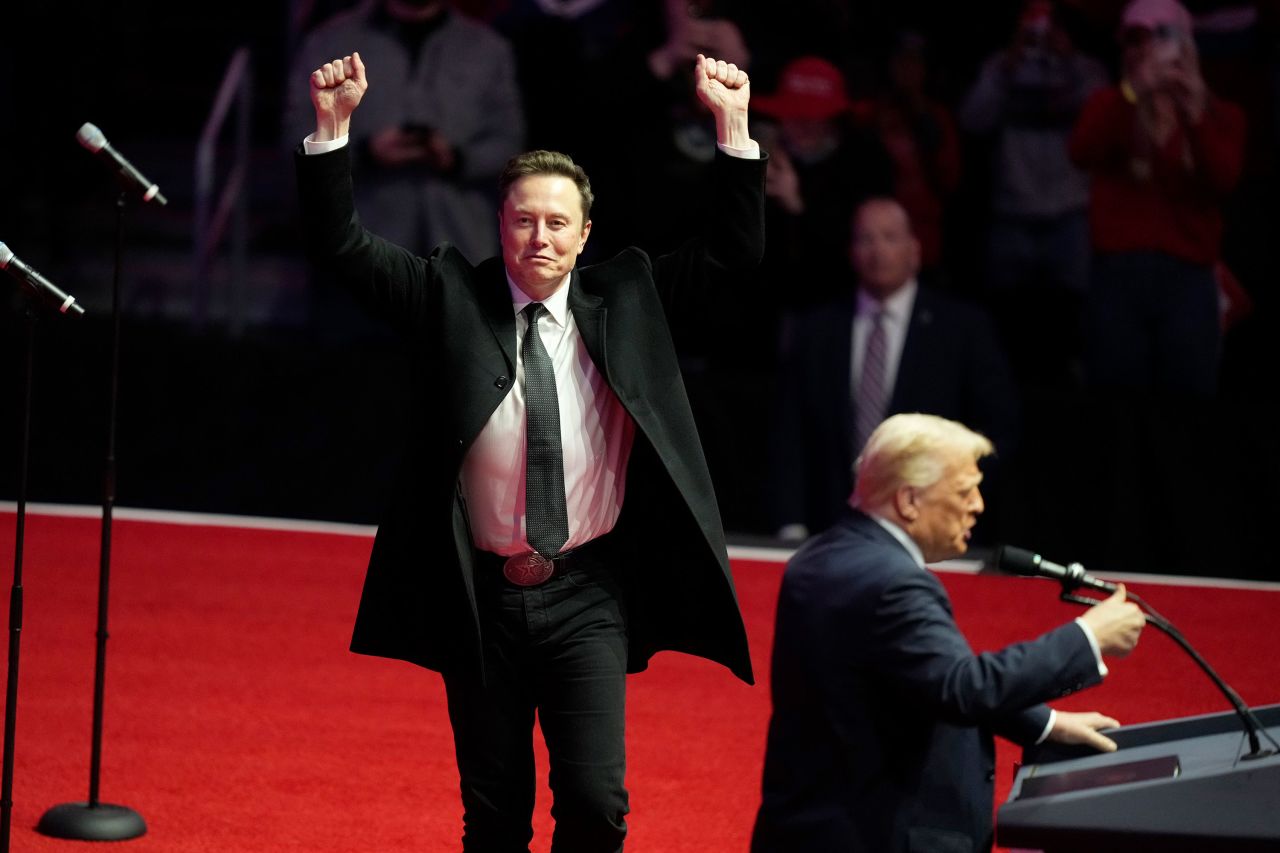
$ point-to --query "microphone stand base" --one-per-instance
(83, 822)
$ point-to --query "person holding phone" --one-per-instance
(445, 118)
(1163, 153)
(1023, 105)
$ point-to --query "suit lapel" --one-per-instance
(842, 338)
(910, 363)
(495, 303)
(589, 313)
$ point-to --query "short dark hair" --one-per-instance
(543, 162)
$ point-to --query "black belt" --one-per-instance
(532, 569)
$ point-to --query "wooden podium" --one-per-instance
(1182, 786)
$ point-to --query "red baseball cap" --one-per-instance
(810, 88)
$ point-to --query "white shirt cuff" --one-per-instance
(310, 147)
(752, 153)
(1053, 716)
(1093, 644)
(1102, 670)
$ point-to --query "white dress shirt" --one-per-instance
(897, 318)
(596, 433)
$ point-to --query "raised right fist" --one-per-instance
(336, 90)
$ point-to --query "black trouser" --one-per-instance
(559, 649)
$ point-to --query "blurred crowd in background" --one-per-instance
(1052, 221)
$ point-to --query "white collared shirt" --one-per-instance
(596, 435)
(897, 318)
(903, 538)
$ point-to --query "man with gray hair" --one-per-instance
(881, 735)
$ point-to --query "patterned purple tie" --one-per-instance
(870, 401)
(546, 517)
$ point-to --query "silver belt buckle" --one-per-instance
(528, 569)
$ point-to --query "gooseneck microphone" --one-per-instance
(93, 140)
(46, 289)
(1020, 561)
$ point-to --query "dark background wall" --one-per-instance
(293, 417)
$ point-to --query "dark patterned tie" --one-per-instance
(546, 517)
(870, 402)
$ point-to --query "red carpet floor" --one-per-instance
(237, 721)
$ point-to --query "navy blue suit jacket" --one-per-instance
(951, 366)
(881, 734)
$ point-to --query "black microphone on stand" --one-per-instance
(94, 820)
(93, 140)
(46, 289)
(1019, 561)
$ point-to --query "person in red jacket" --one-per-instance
(1163, 152)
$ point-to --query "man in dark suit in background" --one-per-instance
(881, 734)
(890, 346)
(554, 525)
